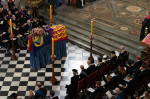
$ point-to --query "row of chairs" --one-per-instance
(90, 79)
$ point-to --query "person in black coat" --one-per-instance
(5, 11)
(100, 64)
(6, 40)
(52, 95)
(98, 90)
(106, 61)
(20, 39)
(72, 88)
(129, 67)
(41, 21)
(17, 14)
(115, 80)
(13, 9)
(83, 72)
(113, 59)
(138, 63)
(124, 55)
(145, 23)
(91, 68)
(80, 3)
(144, 73)
(35, 23)
(22, 20)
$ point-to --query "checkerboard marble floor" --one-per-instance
(18, 77)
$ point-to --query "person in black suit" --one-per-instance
(113, 59)
(131, 84)
(52, 95)
(13, 9)
(83, 72)
(106, 61)
(72, 88)
(138, 63)
(41, 21)
(91, 68)
(144, 73)
(5, 11)
(20, 39)
(14, 20)
(123, 55)
(98, 89)
(100, 64)
(6, 40)
(115, 80)
(35, 23)
(129, 67)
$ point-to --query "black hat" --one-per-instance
(113, 52)
(74, 70)
(13, 95)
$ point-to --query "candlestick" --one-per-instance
(91, 28)
(52, 46)
(50, 12)
(11, 27)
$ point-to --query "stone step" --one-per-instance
(103, 42)
(98, 26)
(97, 46)
(105, 34)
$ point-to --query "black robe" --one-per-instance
(79, 3)
(72, 88)
(145, 23)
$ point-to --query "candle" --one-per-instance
(91, 28)
(52, 46)
(50, 12)
(146, 30)
(11, 27)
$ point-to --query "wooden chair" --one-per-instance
(81, 86)
(89, 80)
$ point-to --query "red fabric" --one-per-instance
(147, 39)
(148, 17)
(59, 33)
(29, 43)
(10, 0)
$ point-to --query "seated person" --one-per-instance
(20, 38)
(83, 72)
(52, 95)
(113, 59)
(72, 88)
(91, 68)
(98, 90)
(100, 64)
(6, 41)
(106, 61)
(129, 67)
(124, 54)
(144, 72)
(115, 80)
(118, 94)
(121, 69)
(41, 92)
(138, 62)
